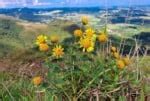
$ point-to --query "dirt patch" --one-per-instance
(3, 66)
(29, 68)
(31, 26)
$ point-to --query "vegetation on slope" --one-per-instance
(67, 72)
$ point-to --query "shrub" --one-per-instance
(86, 66)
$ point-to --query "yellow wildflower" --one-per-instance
(116, 55)
(84, 20)
(58, 51)
(89, 32)
(37, 80)
(43, 47)
(86, 44)
(78, 33)
(120, 64)
(126, 60)
(54, 38)
(113, 49)
(102, 37)
(90, 49)
(41, 39)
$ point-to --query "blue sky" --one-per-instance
(69, 3)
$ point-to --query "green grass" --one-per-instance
(18, 44)
(18, 88)
(145, 64)
(15, 88)
(128, 30)
(14, 36)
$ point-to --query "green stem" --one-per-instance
(74, 98)
(8, 92)
(72, 79)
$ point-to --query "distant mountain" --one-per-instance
(116, 14)
(35, 15)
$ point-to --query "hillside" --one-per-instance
(21, 60)
(19, 35)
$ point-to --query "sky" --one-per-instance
(69, 3)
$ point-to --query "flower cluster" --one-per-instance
(41, 41)
(44, 45)
(121, 62)
(88, 40)
(88, 36)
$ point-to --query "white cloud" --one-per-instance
(37, 3)
(24, 3)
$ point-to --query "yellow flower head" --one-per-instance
(102, 37)
(37, 80)
(113, 49)
(84, 20)
(116, 55)
(126, 60)
(87, 44)
(120, 64)
(78, 33)
(58, 51)
(54, 38)
(43, 47)
(89, 32)
(41, 39)
(90, 49)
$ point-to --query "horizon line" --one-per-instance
(76, 7)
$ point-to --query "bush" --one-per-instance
(86, 66)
